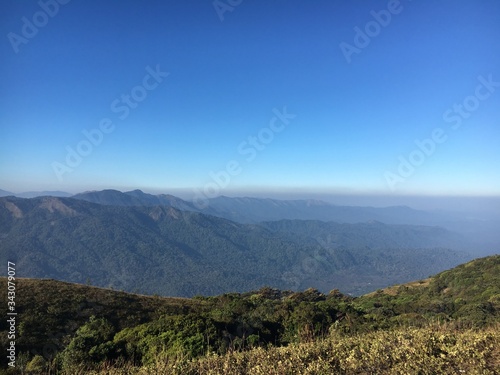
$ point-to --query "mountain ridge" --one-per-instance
(480, 232)
(187, 253)
(253, 210)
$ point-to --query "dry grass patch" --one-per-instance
(431, 350)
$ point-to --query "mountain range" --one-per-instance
(34, 194)
(162, 244)
(255, 210)
(479, 229)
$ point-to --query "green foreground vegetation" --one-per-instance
(430, 350)
(445, 324)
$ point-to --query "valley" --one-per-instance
(137, 242)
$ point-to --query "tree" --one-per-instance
(91, 344)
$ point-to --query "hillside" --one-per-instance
(67, 323)
(4, 193)
(111, 197)
(51, 311)
(163, 250)
(254, 210)
(469, 293)
(478, 230)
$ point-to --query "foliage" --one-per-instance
(468, 294)
(443, 324)
(89, 345)
(431, 350)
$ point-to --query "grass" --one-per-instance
(393, 290)
(436, 349)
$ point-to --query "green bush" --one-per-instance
(90, 345)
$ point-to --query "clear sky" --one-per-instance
(307, 96)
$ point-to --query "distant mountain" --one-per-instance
(133, 198)
(373, 234)
(254, 210)
(482, 232)
(34, 194)
(163, 250)
(4, 193)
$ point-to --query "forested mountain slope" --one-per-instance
(163, 250)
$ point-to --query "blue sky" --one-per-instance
(420, 69)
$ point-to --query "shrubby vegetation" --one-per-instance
(446, 324)
(431, 350)
(468, 294)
